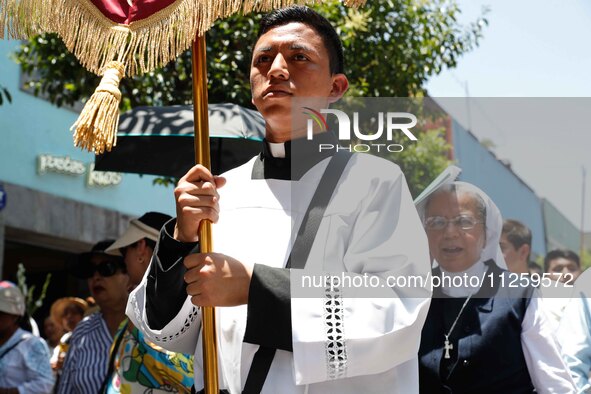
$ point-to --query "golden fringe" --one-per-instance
(4, 12)
(21, 18)
(96, 127)
(143, 45)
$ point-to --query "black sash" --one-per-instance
(261, 363)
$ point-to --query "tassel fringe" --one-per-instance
(96, 127)
(143, 45)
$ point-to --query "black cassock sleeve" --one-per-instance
(268, 322)
(166, 288)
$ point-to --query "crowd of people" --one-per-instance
(90, 345)
(498, 337)
(140, 332)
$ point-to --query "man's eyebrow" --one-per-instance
(264, 49)
(293, 47)
(298, 47)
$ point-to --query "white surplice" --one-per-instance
(370, 228)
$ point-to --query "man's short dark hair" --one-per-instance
(309, 17)
(561, 253)
(517, 233)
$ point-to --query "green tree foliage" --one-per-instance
(391, 48)
(422, 162)
(32, 301)
(586, 259)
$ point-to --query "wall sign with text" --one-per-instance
(66, 166)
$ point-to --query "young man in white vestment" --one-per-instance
(340, 340)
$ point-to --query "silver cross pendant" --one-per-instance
(447, 346)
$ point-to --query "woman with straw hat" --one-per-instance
(67, 312)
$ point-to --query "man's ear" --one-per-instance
(523, 251)
(340, 84)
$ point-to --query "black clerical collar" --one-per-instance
(300, 155)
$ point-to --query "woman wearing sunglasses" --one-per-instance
(85, 366)
(481, 336)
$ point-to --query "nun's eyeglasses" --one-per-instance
(438, 223)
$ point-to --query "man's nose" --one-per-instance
(279, 68)
(565, 270)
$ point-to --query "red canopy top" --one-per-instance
(121, 12)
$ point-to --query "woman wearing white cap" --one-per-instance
(481, 335)
(24, 358)
(137, 365)
(137, 244)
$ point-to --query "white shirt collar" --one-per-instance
(277, 149)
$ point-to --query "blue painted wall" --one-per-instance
(32, 126)
(513, 197)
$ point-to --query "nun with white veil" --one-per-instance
(481, 334)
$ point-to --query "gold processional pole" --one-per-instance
(201, 122)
